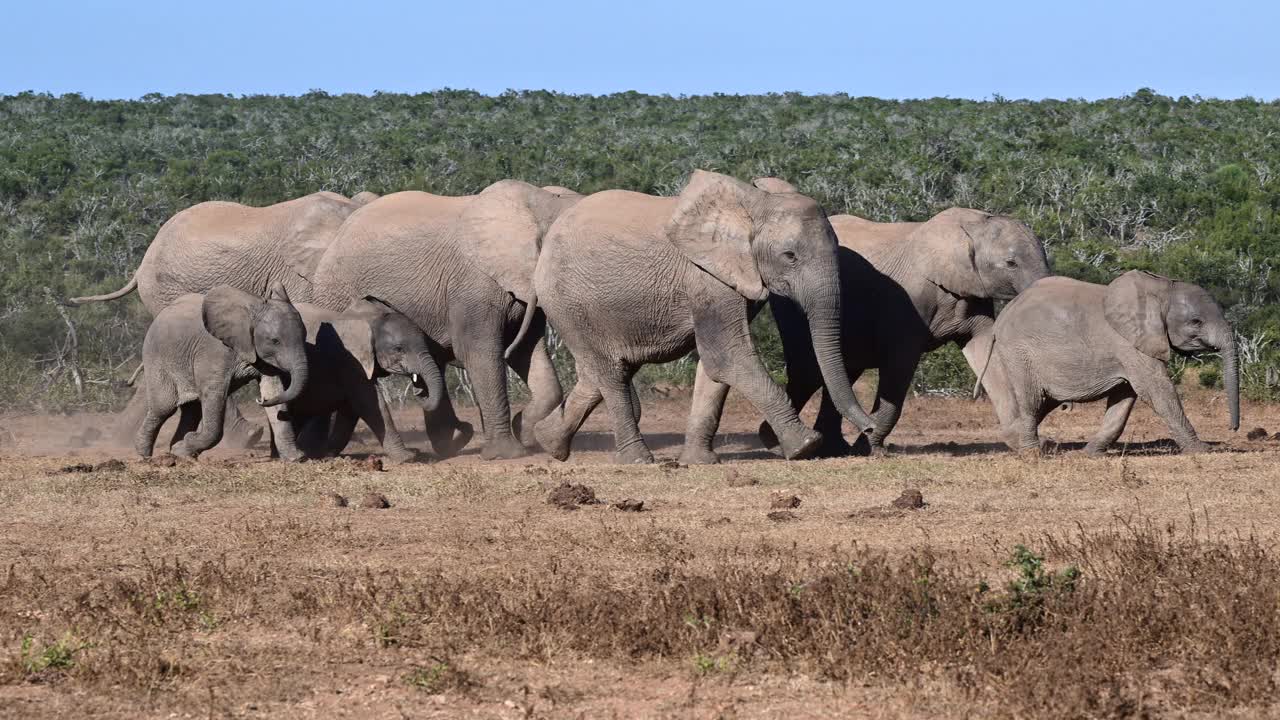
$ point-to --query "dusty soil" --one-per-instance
(240, 587)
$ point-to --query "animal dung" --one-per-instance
(112, 465)
(375, 501)
(337, 500)
(910, 499)
(785, 502)
(737, 479)
(629, 505)
(373, 463)
(568, 496)
(1257, 434)
(780, 516)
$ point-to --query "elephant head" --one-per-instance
(266, 333)
(386, 342)
(760, 243)
(978, 255)
(1156, 313)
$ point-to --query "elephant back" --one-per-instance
(225, 243)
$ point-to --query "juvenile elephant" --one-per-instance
(199, 350)
(906, 289)
(1065, 340)
(629, 279)
(248, 248)
(347, 352)
(461, 268)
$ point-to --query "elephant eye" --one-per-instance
(1011, 263)
(789, 256)
(1196, 321)
(275, 341)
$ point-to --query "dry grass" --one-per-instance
(237, 588)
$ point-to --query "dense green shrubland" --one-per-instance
(1185, 187)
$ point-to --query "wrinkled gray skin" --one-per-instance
(225, 243)
(460, 268)
(199, 350)
(629, 279)
(906, 289)
(347, 352)
(1065, 340)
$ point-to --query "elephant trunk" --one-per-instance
(822, 309)
(432, 382)
(1231, 374)
(297, 383)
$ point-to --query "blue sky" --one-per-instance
(1029, 49)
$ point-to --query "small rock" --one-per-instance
(785, 502)
(165, 460)
(373, 463)
(568, 496)
(1257, 434)
(911, 499)
(782, 516)
(737, 479)
(375, 501)
(338, 501)
(112, 465)
(629, 505)
(76, 468)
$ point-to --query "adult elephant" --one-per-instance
(906, 289)
(629, 279)
(462, 269)
(1069, 341)
(247, 248)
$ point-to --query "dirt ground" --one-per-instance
(262, 596)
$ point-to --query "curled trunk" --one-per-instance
(297, 383)
(432, 382)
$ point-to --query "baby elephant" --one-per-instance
(347, 351)
(200, 349)
(1063, 340)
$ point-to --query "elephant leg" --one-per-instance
(555, 432)
(447, 434)
(723, 336)
(478, 338)
(344, 425)
(615, 386)
(535, 368)
(284, 437)
(891, 394)
(800, 387)
(704, 419)
(212, 408)
(239, 431)
(1119, 404)
(188, 422)
(159, 404)
(1159, 391)
(635, 401)
(370, 406)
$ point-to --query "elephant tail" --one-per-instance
(530, 309)
(991, 349)
(128, 288)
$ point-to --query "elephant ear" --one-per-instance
(712, 227)
(228, 314)
(952, 263)
(1135, 307)
(774, 185)
(355, 327)
(501, 230)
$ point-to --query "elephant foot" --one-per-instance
(184, 451)
(801, 445)
(633, 454)
(692, 455)
(1195, 447)
(767, 436)
(505, 447)
(551, 439)
(398, 456)
(450, 441)
(1094, 449)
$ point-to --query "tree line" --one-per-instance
(1186, 187)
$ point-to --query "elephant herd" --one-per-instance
(317, 298)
